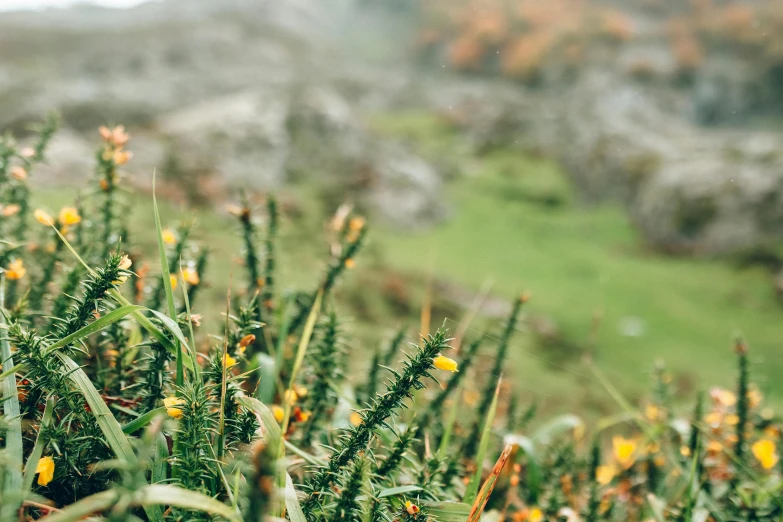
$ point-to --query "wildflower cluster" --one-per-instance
(116, 403)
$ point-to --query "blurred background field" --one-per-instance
(620, 161)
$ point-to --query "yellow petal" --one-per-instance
(604, 474)
(170, 403)
(191, 277)
(43, 218)
(45, 470)
(19, 173)
(15, 270)
(173, 280)
(624, 450)
(69, 216)
(228, 361)
(355, 419)
(444, 363)
(764, 451)
(536, 515)
(278, 412)
(169, 237)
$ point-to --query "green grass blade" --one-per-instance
(168, 495)
(98, 324)
(294, 508)
(192, 345)
(472, 489)
(399, 490)
(13, 435)
(35, 455)
(85, 507)
(301, 351)
(14, 369)
(141, 421)
(164, 270)
(109, 426)
(160, 463)
(272, 433)
(486, 490)
(447, 511)
(449, 427)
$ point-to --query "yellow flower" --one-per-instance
(713, 419)
(45, 470)
(356, 224)
(228, 361)
(301, 391)
(604, 474)
(714, 446)
(355, 419)
(246, 340)
(191, 277)
(278, 413)
(723, 397)
(445, 364)
(169, 237)
(170, 403)
(15, 270)
(290, 396)
(305, 416)
(69, 216)
(685, 451)
(536, 515)
(731, 419)
(173, 280)
(43, 218)
(350, 263)
(18, 173)
(125, 263)
(764, 451)
(624, 450)
(652, 412)
(411, 508)
(10, 210)
(754, 398)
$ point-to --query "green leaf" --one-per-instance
(13, 435)
(97, 325)
(141, 421)
(295, 513)
(164, 270)
(472, 489)
(447, 511)
(86, 506)
(35, 455)
(272, 432)
(528, 447)
(399, 490)
(555, 427)
(168, 495)
(267, 377)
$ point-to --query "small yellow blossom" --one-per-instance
(754, 397)
(301, 391)
(624, 450)
(10, 210)
(765, 452)
(350, 263)
(731, 419)
(15, 270)
(169, 237)
(444, 363)
(69, 216)
(173, 280)
(411, 508)
(290, 396)
(43, 217)
(305, 416)
(685, 451)
(714, 446)
(278, 413)
(228, 361)
(536, 515)
(170, 403)
(191, 277)
(652, 412)
(19, 173)
(125, 263)
(604, 474)
(723, 397)
(714, 419)
(45, 470)
(355, 419)
(356, 224)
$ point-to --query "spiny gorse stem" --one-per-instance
(415, 368)
(742, 399)
(348, 505)
(326, 367)
(386, 469)
(267, 293)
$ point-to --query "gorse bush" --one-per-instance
(116, 404)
